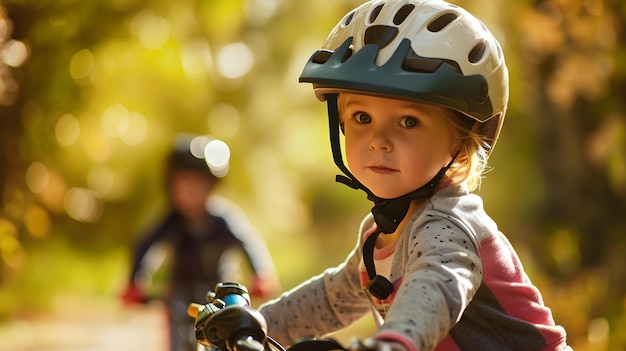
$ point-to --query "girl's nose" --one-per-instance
(380, 140)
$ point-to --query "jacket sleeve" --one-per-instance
(442, 272)
(323, 304)
(141, 248)
(252, 244)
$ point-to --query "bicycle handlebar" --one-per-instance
(229, 323)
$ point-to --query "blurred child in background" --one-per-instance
(199, 232)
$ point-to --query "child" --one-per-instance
(419, 88)
(198, 230)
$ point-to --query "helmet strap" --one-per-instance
(388, 213)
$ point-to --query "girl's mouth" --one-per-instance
(381, 169)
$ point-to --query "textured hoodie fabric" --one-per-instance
(459, 285)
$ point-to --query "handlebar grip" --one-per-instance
(194, 309)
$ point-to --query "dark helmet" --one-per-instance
(199, 153)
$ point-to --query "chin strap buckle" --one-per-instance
(380, 287)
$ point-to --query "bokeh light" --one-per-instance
(11, 251)
(260, 11)
(152, 31)
(134, 129)
(197, 145)
(37, 177)
(235, 60)
(83, 205)
(217, 157)
(15, 53)
(130, 127)
(196, 59)
(81, 64)
(114, 120)
(54, 187)
(215, 153)
(598, 330)
(67, 130)
(6, 26)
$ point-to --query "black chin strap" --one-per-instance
(388, 213)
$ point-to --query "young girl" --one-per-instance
(419, 88)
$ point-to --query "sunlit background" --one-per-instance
(92, 94)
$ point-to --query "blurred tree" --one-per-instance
(14, 54)
(9, 90)
(571, 97)
(575, 105)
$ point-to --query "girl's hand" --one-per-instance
(133, 295)
(264, 287)
(371, 344)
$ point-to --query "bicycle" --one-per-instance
(227, 322)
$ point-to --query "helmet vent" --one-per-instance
(321, 56)
(403, 13)
(380, 35)
(375, 13)
(415, 63)
(477, 52)
(349, 18)
(441, 22)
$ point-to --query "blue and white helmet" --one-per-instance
(428, 51)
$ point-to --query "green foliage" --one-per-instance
(107, 84)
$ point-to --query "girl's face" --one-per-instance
(392, 146)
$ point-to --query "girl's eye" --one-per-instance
(409, 122)
(362, 118)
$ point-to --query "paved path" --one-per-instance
(105, 328)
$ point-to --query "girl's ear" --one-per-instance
(455, 147)
(458, 149)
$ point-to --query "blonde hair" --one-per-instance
(471, 161)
